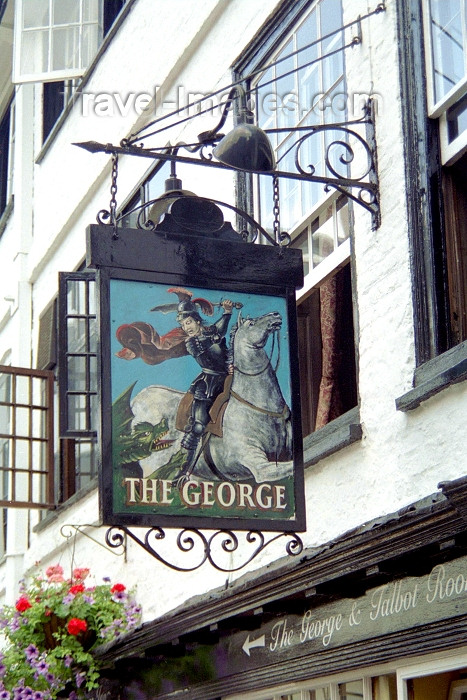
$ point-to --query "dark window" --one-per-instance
(112, 9)
(327, 352)
(53, 100)
(5, 155)
(47, 348)
(454, 179)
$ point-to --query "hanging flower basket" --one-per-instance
(52, 630)
(51, 627)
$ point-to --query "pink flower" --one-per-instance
(55, 574)
(80, 574)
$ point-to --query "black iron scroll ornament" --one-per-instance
(207, 546)
(346, 146)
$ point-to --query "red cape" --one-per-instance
(140, 339)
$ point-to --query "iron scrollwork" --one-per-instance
(350, 141)
(347, 145)
(205, 547)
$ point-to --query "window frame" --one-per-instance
(345, 429)
(88, 393)
(433, 666)
(7, 139)
(438, 362)
(450, 150)
(45, 440)
(51, 74)
(302, 690)
(290, 35)
(437, 107)
(71, 85)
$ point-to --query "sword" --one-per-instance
(169, 308)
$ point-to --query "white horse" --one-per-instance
(257, 432)
(256, 437)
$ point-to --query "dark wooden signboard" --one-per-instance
(199, 381)
(318, 638)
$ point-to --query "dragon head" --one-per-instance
(144, 439)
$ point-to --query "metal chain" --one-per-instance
(276, 209)
(113, 195)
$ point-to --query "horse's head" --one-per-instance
(254, 332)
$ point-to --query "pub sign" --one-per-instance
(200, 419)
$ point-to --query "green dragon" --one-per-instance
(134, 443)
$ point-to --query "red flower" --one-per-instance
(75, 626)
(22, 604)
(77, 588)
(118, 588)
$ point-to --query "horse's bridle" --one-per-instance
(255, 374)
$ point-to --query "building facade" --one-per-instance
(375, 605)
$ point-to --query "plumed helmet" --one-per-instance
(187, 308)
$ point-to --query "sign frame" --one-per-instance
(278, 507)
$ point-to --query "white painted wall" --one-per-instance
(191, 45)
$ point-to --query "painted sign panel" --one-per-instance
(201, 388)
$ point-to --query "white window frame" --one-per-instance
(304, 689)
(450, 151)
(437, 664)
(339, 257)
(53, 74)
(435, 109)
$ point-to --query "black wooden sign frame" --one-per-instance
(247, 471)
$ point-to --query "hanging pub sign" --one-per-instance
(200, 414)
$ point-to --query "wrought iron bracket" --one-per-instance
(69, 531)
(206, 546)
(351, 142)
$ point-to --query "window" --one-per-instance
(54, 39)
(304, 85)
(306, 89)
(73, 345)
(432, 54)
(326, 351)
(57, 94)
(26, 438)
(377, 688)
(78, 356)
(151, 188)
(55, 97)
(445, 24)
(7, 131)
(434, 679)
